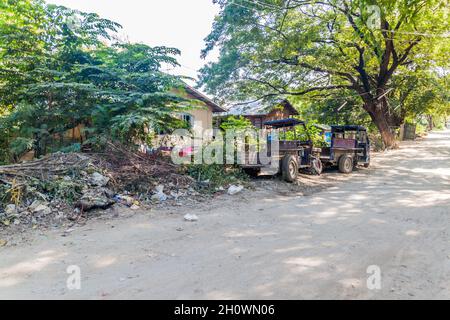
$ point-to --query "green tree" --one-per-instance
(136, 95)
(301, 48)
(22, 46)
(236, 123)
(421, 93)
(64, 74)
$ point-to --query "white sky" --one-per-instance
(182, 24)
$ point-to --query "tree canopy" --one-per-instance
(360, 49)
(61, 68)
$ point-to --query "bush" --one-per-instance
(235, 123)
(216, 175)
(376, 141)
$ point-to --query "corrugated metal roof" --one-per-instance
(257, 108)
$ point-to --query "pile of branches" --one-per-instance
(66, 181)
(58, 175)
(43, 190)
(46, 168)
(138, 172)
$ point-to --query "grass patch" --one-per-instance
(215, 176)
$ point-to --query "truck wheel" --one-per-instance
(367, 165)
(289, 168)
(346, 164)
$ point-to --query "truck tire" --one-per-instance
(289, 168)
(346, 164)
(367, 165)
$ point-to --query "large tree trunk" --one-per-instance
(378, 114)
(430, 122)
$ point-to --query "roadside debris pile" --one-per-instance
(67, 186)
(152, 177)
(34, 191)
(62, 187)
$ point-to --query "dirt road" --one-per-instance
(395, 216)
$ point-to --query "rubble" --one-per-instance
(11, 209)
(191, 218)
(41, 210)
(35, 205)
(98, 198)
(159, 197)
(62, 188)
(124, 199)
(99, 180)
(232, 190)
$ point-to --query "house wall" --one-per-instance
(202, 117)
(75, 134)
(203, 120)
(276, 114)
(202, 114)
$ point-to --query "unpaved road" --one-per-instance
(395, 216)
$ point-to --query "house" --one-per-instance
(198, 115)
(201, 115)
(260, 112)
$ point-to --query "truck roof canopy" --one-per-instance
(284, 123)
(348, 128)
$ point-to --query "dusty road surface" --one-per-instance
(263, 245)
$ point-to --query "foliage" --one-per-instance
(21, 145)
(332, 110)
(421, 127)
(311, 49)
(236, 123)
(315, 133)
(309, 132)
(68, 190)
(140, 92)
(421, 93)
(57, 73)
(62, 189)
(217, 175)
(76, 147)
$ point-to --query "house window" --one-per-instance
(188, 118)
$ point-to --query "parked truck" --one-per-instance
(349, 147)
(296, 151)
